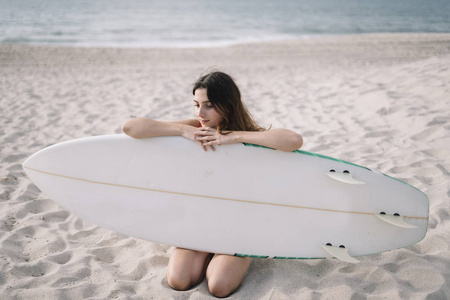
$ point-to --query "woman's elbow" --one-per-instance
(128, 128)
(296, 142)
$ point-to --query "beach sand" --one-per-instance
(378, 100)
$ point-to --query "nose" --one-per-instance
(201, 111)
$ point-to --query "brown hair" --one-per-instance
(225, 97)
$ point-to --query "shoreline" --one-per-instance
(226, 44)
(380, 101)
(391, 36)
(352, 51)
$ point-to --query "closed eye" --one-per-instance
(206, 103)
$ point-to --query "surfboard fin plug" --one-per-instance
(340, 253)
(395, 220)
(344, 177)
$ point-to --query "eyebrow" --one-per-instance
(203, 101)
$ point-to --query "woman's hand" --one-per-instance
(205, 136)
(209, 137)
(280, 139)
(188, 132)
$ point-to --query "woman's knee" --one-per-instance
(178, 281)
(186, 268)
(225, 274)
(220, 287)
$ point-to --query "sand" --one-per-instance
(379, 100)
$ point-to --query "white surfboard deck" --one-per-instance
(239, 200)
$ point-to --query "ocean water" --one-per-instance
(206, 23)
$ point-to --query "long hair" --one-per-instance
(225, 97)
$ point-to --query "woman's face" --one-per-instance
(204, 110)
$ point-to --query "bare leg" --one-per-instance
(186, 268)
(225, 274)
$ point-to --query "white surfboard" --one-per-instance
(239, 200)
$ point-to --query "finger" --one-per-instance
(211, 143)
(205, 138)
(204, 132)
(203, 146)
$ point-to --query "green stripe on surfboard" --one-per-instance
(276, 257)
(252, 256)
(312, 154)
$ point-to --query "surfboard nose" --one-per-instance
(31, 164)
(41, 161)
(28, 162)
(34, 161)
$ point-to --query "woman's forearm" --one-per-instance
(143, 128)
(280, 139)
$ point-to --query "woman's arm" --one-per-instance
(140, 128)
(280, 139)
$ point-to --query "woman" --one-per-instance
(222, 118)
